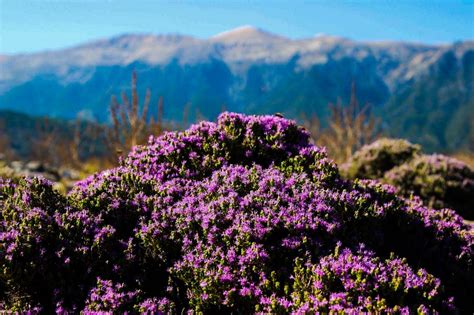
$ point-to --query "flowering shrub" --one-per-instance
(361, 282)
(109, 297)
(30, 245)
(243, 215)
(374, 159)
(235, 139)
(442, 182)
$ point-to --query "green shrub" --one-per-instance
(373, 160)
(440, 181)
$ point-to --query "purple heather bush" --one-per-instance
(240, 216)
(359, 282)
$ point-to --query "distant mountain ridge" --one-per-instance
(254, 71)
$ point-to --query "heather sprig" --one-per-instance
(358, 281)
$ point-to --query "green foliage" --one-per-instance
(440, 181)
(373, 160)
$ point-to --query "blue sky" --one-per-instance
(36, 25)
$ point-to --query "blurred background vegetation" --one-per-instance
(68, 150)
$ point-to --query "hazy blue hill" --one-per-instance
(206, 87)
(22, 130)
(292, 91)
(422, 92)
(437, 109)
(204, 84)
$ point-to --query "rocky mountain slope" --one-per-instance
(423, 92)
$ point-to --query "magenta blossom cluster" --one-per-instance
(240, 216)
(360, 282)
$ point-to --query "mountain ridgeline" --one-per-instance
(421, 92)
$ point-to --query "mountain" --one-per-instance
(422, 92)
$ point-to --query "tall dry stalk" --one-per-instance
(349, 128)
(131, 124)
(86, 141)
(52, 144)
